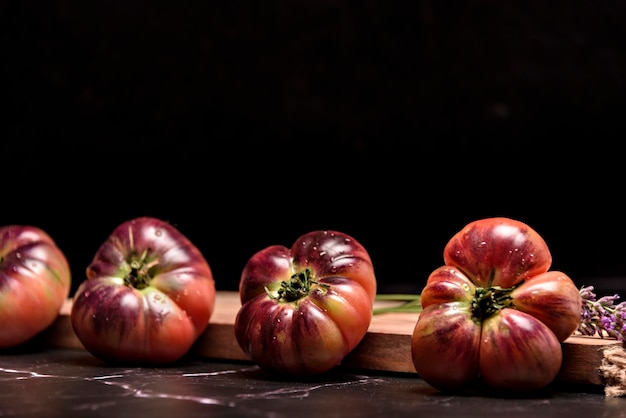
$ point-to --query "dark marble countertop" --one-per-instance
(55, 382)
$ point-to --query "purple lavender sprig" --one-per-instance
(602, 316)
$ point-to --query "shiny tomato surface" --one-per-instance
(148, 295)
(35, 281)
(304, 308)
(494, 311)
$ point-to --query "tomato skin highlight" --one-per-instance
(303, 341)
(447, 284)
(445, 346)
(498, 252)
(518, 353)
(553, 298)
(310, 333)
(148, 295)
(505, 311)
(35, 281)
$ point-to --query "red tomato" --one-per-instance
(306, 307)
(35, 280)
(148, 296)
(494, 311)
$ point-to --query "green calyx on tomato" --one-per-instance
(297, 287)
(494, 311)
(139, 276)
(305, 323)
(148, 295)
(487, 302)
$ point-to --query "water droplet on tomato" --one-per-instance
(18, 255)
(158, 232)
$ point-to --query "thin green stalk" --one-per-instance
(411, 303)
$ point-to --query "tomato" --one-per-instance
(494, 311)
(35, 281)
(306, 307)
(148, 295)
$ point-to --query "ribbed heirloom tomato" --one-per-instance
(148, 296)
(306, 307)
(494, 311)
(35, 281)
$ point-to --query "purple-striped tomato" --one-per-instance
(304, 308)
(148, 295)
(35, 281)
(494, 311)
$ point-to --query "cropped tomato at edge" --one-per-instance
(35, 281)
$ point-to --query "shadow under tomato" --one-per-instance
(480, 389)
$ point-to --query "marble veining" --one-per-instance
(303, 392)
(168, 383)
(54, 383)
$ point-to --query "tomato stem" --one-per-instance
(488, 301)
(139, 275)
(298, 286)
(411, 303)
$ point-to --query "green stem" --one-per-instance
(488, 301)
(411, 303)
(298, 286)
(139, 276)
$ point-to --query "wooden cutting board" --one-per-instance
(386, 347)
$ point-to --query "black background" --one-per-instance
(248, 124)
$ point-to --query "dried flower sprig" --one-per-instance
(602, 316)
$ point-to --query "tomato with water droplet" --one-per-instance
(35, 281)
(305, 307)
(148, 295)
(494, 311)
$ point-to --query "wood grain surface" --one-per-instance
(385, 348)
